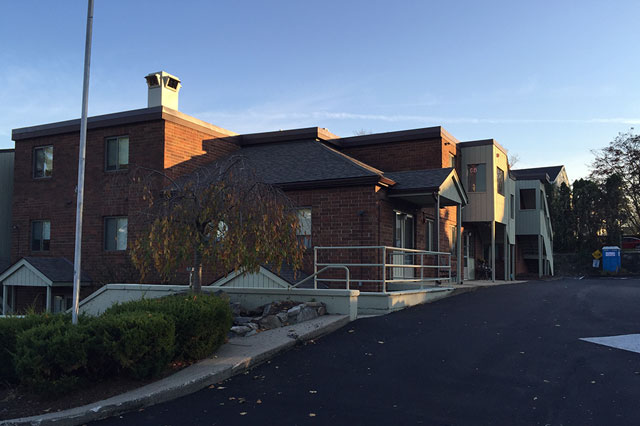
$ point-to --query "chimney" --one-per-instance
(163, 90)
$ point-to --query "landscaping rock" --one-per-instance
(270, 309)
(269, 322)
(242, 320)
(322, 310)
(293, 312)
(283, 317)
(307, 314)
(314, 304)
(241, 330)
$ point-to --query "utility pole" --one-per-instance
(81, 161)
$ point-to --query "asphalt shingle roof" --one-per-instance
(538, 173)
(303, 161)
(57, 269)
(418, 179)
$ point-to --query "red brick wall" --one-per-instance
(154, 145)
(54, 198)
(336, 222)
(409, 155)
(186, 149)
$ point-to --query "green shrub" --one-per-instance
(202, 321)
(10, 328)
(52, 358)
(141, 344)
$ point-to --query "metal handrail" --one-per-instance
(386, 251)
(315, 274)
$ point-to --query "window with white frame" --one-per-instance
(43, 162)
(117, 153)
(304, 227)
(429, 236)
(115, 233)
(40, 235)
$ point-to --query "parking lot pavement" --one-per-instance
(505, 355)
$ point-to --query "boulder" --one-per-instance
(241, 320)
(241, 330)
(270, 309)
(293, 312)
(283, 317)
(269, 322)
(322, 310)
(307, 314)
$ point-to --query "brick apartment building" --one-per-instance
(400, 189)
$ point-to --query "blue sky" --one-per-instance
(549, 80)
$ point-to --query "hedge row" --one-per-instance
(137, 339)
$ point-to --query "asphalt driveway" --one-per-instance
(507, 355)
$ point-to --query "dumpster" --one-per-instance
(611, 259)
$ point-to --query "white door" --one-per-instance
(469, 261)
(404, 232)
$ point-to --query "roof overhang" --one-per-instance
(450, 191)
(37, 278)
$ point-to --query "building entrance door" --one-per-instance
(403, 238)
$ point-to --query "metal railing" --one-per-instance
(417, 263)
(315, 275)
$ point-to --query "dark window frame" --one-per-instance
(43, 245)
(114, 248)
(34, 170)
(525, 201)
(117, 167)
(500, 183)
(472, 183)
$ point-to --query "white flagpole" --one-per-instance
(81, 161)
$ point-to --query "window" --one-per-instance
(429, 235)
(304, 228)
(500, 177)
(512, 207)
(115, 233)
(477, 178)
(62, 303)
(527, 199)
(117, 150)
(452, 160)
(40, 235)
(404, 228)
(43, 162)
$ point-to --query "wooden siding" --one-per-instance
(528, 221)
(500, 203)
(24, 276)
(480, 208)
(262, 279)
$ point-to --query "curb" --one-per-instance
(232, 358)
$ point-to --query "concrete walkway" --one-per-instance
(235, 356)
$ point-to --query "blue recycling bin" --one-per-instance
(611, 259)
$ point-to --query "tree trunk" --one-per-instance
(197, 271)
